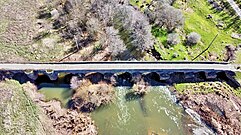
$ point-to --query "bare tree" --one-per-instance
(169, 2)
(137, 26)
(105, 9)
(165, 15)
(94, 26)
(115, 44)
(141, 35)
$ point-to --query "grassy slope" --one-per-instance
(205, 87)
(238, 77)
(195, 13)
(161, 37)
(19, 115)
(195, 21)
(167, 53)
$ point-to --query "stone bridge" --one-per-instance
(123, 73)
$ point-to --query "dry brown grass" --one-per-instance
(18, 29)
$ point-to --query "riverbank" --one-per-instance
(19, 113)
(23, 110)
(215, 102)
(119, 108)
(64, 121)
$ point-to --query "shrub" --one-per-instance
(141, 88)
(90, 96)
(193, 38)
(173, 39)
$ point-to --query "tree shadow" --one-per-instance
(130, 96)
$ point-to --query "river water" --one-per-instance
(154, 114)
(57, 92)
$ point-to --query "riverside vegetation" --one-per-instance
(24, 111)
(217, 103)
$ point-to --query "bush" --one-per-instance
(90, 96)
(173, 39)
(141, 88)
(193, 38)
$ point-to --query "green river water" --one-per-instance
(154, 113)
(62, 94)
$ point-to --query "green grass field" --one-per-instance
(195, 13)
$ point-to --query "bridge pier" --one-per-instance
(136, 77)
(32, 75)
(53, 76)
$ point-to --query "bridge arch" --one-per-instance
(21, 77)
(123, 79)
(152, 78)
(94, 77)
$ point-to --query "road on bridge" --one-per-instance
(119, 66)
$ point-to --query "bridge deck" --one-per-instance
(119, 66)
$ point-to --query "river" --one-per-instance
(156, 113)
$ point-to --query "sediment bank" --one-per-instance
(215, 102)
